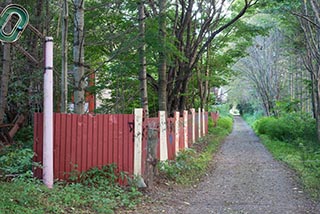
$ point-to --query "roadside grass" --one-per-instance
(97, 192)
(291, 139)
(306, 162)
(192, 164)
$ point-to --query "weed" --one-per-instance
(191, 164)
(97, 192)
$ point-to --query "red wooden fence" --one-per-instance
(85, 141)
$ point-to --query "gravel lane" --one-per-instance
(246, 179)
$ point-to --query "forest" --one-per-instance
(165, 56)
(111, 56)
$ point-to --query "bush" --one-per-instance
(289, 128)
(224, 125)
(98, 192)
(191, 164)
(252, 118)
(16, 162)
(222, 109)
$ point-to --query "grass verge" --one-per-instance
(192, 164)
(94, 194)
(291, 138)
(306, 162)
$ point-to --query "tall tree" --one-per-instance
(310, 24)
(263, 68)
(142, 59)
(162, 70)
(78, 57)
(64, 56)
(194, 26)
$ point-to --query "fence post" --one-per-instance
(138, 116)
(185, 128)
(199, 122)
(203, 122)
(163, 136)
(48, 115)
(176, 130)
(193, 124)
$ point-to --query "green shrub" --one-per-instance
(191, 164)
(25, 134)
(222, 109)
(98, 192)
(289, 128)
(225, 123)
(16, 161)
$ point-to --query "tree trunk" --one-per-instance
(162, 69)
(78, 57)
(64, 68)
(142, 60)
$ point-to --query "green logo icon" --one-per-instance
(17, 16)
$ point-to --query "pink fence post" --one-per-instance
(176, 130)
(199, 123)
(138, 114)
(193, 112)
(48, 115)
(185, 128)
(203, 123)
(163, 136)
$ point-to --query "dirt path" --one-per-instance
(248, 180)
(245, 179)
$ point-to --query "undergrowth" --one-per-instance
(192, 164)
(97, 191)
(292, 139)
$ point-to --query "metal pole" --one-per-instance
(48, 115)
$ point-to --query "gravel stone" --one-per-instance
(246, 179)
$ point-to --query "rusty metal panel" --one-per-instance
(206, 121)
(181, 135)
(197, 126)
(171, 138)
(130, 143)
(190, 130)
(38, 142)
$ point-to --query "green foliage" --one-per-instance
(16, 162)
(287, 106)
(292, 139)
(98, 192)
(289, 128)
(223, 110)
(252, 118)
(305, 160)
(191, 164)
(224, 126)
(25, 134)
